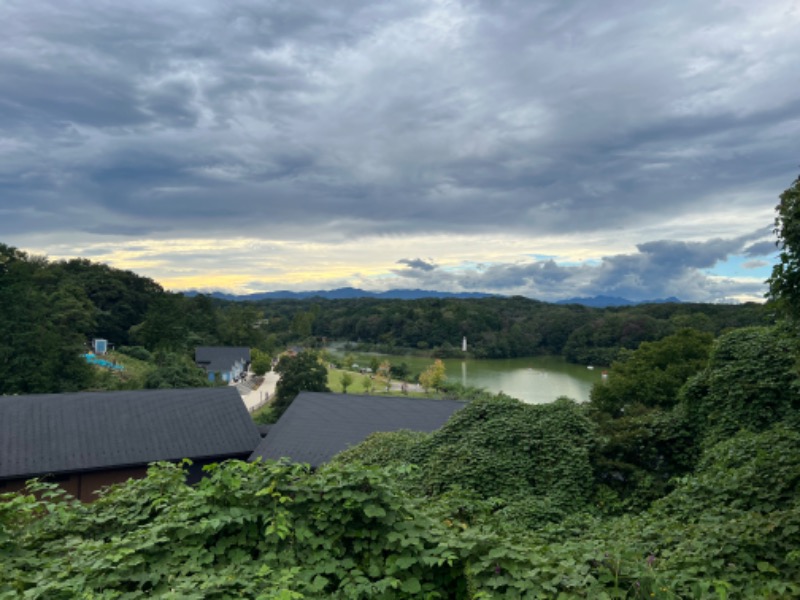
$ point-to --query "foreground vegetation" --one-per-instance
(691, 494)
(279, 531)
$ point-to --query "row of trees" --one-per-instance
(497, 327)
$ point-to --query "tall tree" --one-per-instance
(165, 326)
(261, 362)
(651, 375)
(784, 285)
(301, 373)
(42, 328)
(240, 326)
(120, 298)
(346, 379)
(433, 377)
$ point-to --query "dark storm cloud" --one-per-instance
(543, 276)
(417, 263)
(407, 116)
(671, 255)
(308, 121)
(659, 269)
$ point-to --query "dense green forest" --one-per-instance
(679, 479)
(500, 327)
(50, 312)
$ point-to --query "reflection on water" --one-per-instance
(534, 380)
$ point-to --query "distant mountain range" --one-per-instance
(605, 301)
(349, 292)
(343, 293)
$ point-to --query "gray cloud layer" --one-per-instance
(657, 270)
(352, 118)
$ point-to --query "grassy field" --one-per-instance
(131, 377)
(360, 387)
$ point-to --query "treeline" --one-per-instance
(499, 327)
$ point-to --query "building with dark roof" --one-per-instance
(319, 425)
(227, 361)
(87, 440)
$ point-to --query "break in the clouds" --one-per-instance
(306, 144)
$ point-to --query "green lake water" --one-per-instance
(534, 380)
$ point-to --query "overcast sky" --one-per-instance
(549, 148)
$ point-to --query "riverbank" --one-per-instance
(535, 380)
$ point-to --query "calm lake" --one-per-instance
(534, 380)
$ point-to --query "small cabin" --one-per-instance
(227, 362)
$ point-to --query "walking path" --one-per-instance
(262, 394)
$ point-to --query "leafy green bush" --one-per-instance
(265, 415)
(175, 370)
(534, 460)
(246, 531)
(276, 531)
(455, 390)
(638, 457)
(503, 447)
(138, 352)
(386, 449)
(652, 374)
(751, 382)
(748, 472)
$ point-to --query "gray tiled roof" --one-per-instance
(219, 359)
(58, 433)
(317, 425)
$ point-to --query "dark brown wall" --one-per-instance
(82, 485)
(95, 480)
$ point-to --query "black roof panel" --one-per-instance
(53, 433)
(220, 359)
(318, 425)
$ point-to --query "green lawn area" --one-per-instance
(264, 414)
(357, 387)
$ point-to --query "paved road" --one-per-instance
(260, 395)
